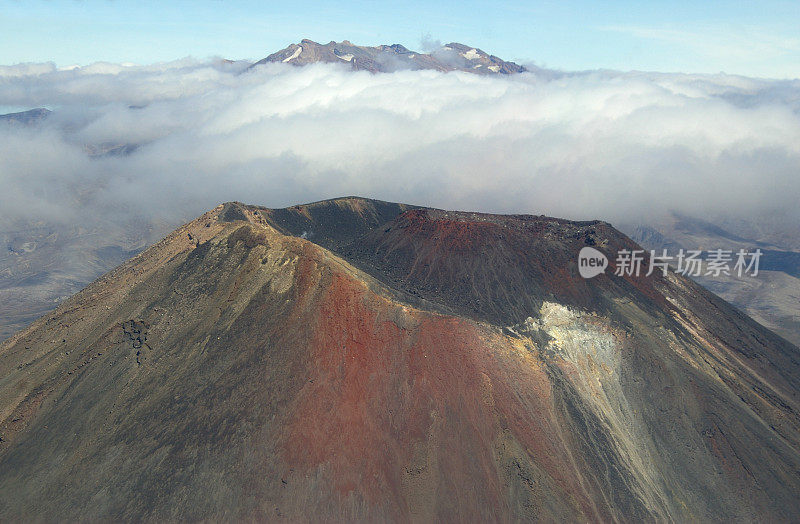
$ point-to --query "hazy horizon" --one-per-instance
(758, 40)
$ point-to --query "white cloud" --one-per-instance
(591, 145)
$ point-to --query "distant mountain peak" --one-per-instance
(395, 57)
(31, 116)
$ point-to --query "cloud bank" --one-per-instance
(602, 144)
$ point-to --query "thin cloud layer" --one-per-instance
(620, 147)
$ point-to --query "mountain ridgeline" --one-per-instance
(357, 359)
(390, 58)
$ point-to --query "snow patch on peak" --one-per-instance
(472, 54)
(294, 55)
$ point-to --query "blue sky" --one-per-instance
(750, 38)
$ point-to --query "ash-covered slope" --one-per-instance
(375, 369)
(389, 58)
(772, 298)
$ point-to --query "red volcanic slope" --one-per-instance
(385, 371)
